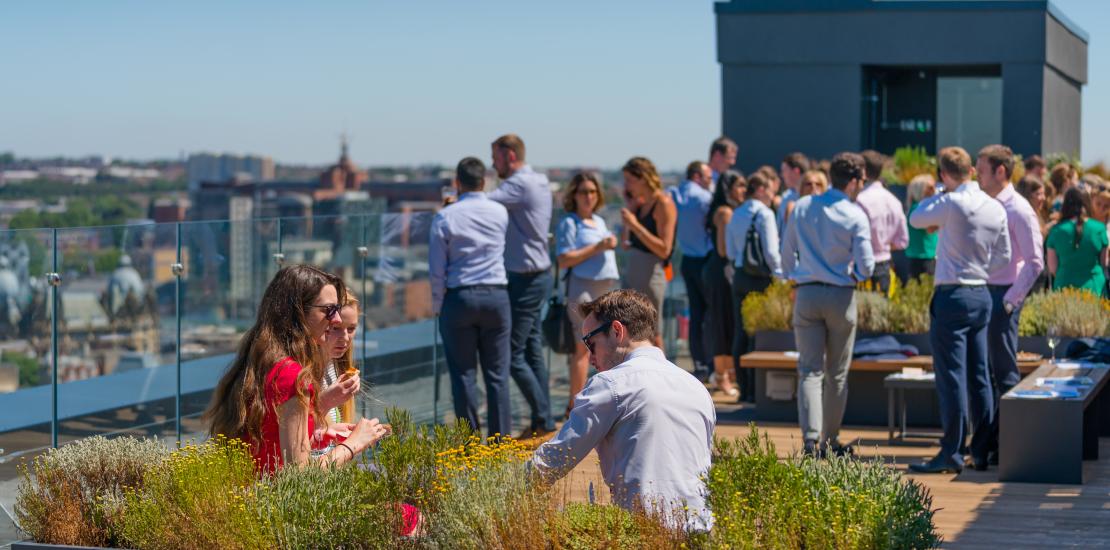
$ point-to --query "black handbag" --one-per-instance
(755, 262)
(556, 325)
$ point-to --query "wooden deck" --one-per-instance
(975, 510)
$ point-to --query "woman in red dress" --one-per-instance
(268, 398)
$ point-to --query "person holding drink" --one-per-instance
(584, 248)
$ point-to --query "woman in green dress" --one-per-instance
(1077, 246)
(922, 249)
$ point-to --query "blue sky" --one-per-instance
(412, 81)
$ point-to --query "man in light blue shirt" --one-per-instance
(527, 196)
(826, 251)
(691, 199)
(792, 168)
(755, 213)
(974, 241)
(466, 268)
(722, 157)
(651, 422)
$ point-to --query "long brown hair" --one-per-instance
(281, 330)
(347, 361)
(1076, 207)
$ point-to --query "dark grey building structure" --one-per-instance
(822, 76)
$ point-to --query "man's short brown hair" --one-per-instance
(955, 162)
(756, 181)
(694, 169)
(999, 155)
(1033, 162)
(572, 189)
(873, 163)
(513, 143)
(844, 168)
(721, 145)
(797, 161)
(631, 307)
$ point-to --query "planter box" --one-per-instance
(28, 545)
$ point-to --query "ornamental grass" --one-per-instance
(760, 501)
(1075, 313)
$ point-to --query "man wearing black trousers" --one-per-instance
(466, 268)
(1010, 285)
(691, 199)
(526, 194)
(972, 244)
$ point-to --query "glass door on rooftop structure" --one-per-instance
(931, 107)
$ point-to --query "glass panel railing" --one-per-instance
(26, 256)
(116, 337)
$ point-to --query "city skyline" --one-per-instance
(413, 83)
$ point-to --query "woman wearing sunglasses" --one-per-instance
(268, 398)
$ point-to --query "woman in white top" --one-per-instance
(584, 247)
(342, 380)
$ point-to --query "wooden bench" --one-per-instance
(1047, 440)
(781, 361)
(868, 399)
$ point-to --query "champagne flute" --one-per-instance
(1053, 340)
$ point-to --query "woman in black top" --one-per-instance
(720, 319)
(651, 230)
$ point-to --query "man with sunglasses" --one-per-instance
(651, 422)
(466, 268)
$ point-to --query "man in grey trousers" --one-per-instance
(826, 251)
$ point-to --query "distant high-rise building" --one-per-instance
(208, 167)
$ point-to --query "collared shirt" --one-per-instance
(788, 197)
(467, 245)
(692, 202)
(736, 234)
(888, 222)
(574, 234)
(828, 240)
(527, 196)
(652, 425)
(973, 240)
(1026, 245)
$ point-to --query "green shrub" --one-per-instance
(407, 460)
(326, 507)
(760, 501)
(587, 526)
(909, 306)
(202, 496)
(1075, 313)
(74, 494)
(770, 310)
(873, 312)
(910, 162)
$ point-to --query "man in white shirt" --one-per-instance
(973, 243)
(650, 421)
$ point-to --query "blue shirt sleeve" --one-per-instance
(437, 260)
(769, 234)
(510, 193)
(566, 235)
(863, 257)
(790, 244)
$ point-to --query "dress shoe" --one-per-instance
(979, 464)
(937, 465)
(810, 449)
(841, 450)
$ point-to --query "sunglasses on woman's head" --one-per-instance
(603, 328)
(330, 310)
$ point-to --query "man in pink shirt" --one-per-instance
(888, 221)
(1010, 284)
